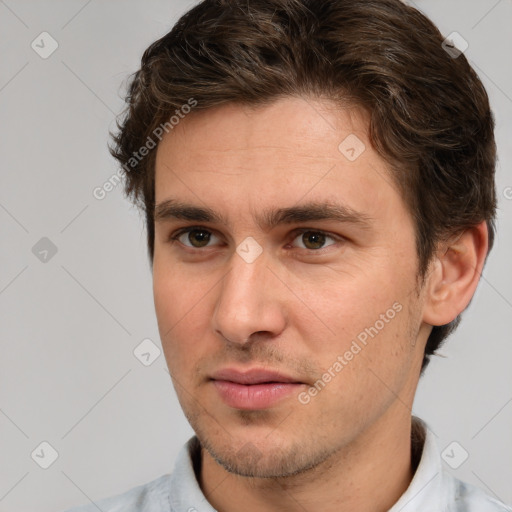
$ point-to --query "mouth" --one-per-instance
(254, 389)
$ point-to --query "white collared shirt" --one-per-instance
(432, 488)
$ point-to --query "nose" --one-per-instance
(249, 302)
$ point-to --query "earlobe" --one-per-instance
(454, 275)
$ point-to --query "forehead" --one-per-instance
(296, 149)
(304, 127)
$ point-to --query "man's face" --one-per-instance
(332, 305)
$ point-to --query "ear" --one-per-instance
(454, 275)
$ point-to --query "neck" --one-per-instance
(370, 475)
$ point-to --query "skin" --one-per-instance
(298, 306)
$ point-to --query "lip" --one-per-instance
(255, 388)
(252, 376)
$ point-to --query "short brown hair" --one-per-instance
(429, 113)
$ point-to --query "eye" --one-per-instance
(198, 237)
(313, 240)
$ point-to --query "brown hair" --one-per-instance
(429, 113)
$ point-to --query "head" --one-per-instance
(250, 110)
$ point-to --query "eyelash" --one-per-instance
(177, 234)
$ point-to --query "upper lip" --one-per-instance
(252, 376)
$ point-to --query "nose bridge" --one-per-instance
(247, 302)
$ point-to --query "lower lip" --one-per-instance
(254, 396)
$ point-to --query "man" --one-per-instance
(318, 185)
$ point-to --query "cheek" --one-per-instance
(344, 304)
(179, 309)
(369, 319)
(175, 291)
(371, 364)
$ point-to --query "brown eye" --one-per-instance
(196, 237)
(200, 236)
(313, 240)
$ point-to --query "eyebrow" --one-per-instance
(171, 209)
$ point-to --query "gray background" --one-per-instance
(69, 325)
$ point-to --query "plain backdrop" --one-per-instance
(72, 316)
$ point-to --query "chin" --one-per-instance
(262, 459)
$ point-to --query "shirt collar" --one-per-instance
(185, 495)
(430, 488)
